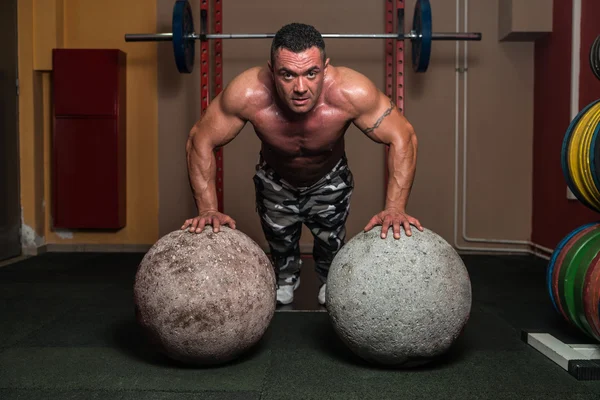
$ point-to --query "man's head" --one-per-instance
(298, 64)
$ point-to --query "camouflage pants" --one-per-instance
(322, 207)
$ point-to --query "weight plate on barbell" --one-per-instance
(184, 44)
(421, 45)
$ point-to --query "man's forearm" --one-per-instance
(402, 157)
(202, 171)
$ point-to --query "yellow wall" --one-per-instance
(46, 24)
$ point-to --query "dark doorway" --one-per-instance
(10, 206)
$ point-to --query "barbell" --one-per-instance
(183, 35)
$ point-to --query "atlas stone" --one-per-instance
(205, 298)
(398, 303)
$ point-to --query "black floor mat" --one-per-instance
(68, 332)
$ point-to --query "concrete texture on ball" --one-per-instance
(205, 298)
(398, 302)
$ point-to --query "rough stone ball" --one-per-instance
(398, 302)
(205, 298)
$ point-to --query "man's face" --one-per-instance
(299, 78)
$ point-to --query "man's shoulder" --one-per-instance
(353, 87)
(248, 89)
(252, 80)
(348, 78)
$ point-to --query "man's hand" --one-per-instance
(394, 218)
(208, 217)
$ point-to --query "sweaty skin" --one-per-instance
(300, 108)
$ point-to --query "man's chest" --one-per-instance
(319, 126)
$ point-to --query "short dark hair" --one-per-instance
(297, 37)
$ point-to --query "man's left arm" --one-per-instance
(379, 118)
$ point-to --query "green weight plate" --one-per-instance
(574, 288)
(568, 271)
(560, 266)
(552, 263)
(594, 309)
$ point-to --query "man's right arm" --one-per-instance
(220, 124)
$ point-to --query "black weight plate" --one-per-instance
(595, 57)
(421, 45)
(183, 43)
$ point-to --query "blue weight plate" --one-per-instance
(421, 45)
(564, 156)
(555, 253)
(183, 44)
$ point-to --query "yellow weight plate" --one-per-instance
(574, 146)
(584, 159)
(583, 170)
(574, 151)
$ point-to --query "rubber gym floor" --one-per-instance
(68, 332)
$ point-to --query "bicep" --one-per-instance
(381, 121)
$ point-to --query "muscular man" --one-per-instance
(300, 107)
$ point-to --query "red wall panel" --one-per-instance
(88, 143)
(553, 214)
(85, 168)
(87, 82)
(589, 85)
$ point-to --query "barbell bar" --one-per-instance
(167, 37)
(184, 36)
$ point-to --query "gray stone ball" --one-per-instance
(206, 298)
(398, 302)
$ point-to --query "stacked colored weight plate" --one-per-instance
(564, 159)
(575, 272)
(575, 268)
(560, 264)
(579, 153)
(594, 156)
(552, 264)
(579, 156)
(591, 297)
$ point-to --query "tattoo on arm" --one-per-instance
(378, 122)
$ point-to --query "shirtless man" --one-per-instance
(300, 107)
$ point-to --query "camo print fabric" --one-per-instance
(322, 207)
